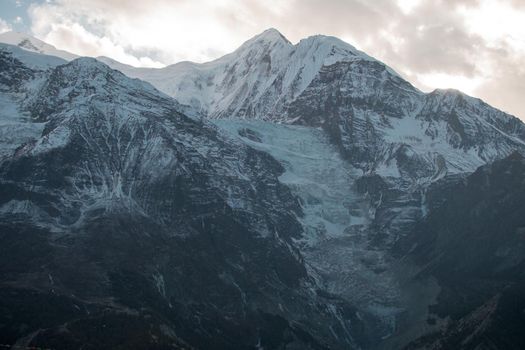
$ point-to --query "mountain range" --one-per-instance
(280, 197)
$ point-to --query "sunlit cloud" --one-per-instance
(166, 31)
(499, 23)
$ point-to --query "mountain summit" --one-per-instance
(269, 35)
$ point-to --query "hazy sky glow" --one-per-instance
(477, 46)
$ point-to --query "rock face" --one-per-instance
(124, 216)
(473, 244)
(383, 125)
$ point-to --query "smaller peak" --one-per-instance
(88, 63)
(445, 94)
(17, 38)
(446, 91)
(454, 96)
(86, 60)
(271, 32)
(327, 41)
(449, 94)
(105, 59)
(30, 43)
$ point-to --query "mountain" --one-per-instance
(284, 196)
(121, 215)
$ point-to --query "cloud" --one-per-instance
(474, 45)
(4, 26)
(163, 31)
(71, 29)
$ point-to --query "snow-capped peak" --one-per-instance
(25, 41)
(269, 35)
(269, 44)
(257, 80)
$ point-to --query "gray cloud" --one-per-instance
(432, 42)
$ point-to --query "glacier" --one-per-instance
(335, 219)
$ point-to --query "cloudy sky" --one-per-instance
(477, 46)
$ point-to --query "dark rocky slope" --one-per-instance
(473, 244)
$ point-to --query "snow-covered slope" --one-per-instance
(255, 81)
(32, 59)
(30, 43)
(380, 122)
(16, 126)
